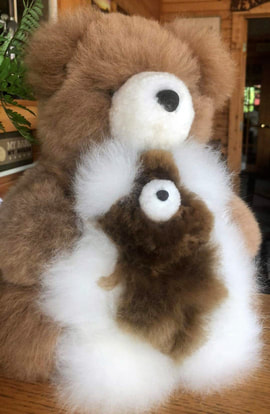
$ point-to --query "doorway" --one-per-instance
(255, 158)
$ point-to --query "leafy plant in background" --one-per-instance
(12, 69)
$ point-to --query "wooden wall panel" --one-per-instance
(64, 5)
(171, 9)
(147, 8)
(194, 6)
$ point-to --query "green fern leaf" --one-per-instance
(5, 69)
(26, 133)
(34, 14)
(9, 99)
(16, 117)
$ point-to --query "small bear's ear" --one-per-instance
(216, 65)
(52, 47)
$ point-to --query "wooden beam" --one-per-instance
(260, 11)
(191, 1)
(182, 7)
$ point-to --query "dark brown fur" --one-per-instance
(73, 67)
(168, 269)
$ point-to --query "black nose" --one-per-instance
(162, 195)
(168, 99)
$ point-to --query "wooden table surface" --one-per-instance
(252, 397)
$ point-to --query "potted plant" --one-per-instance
(12, 70)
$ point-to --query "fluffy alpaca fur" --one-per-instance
(104, 368)
(19, 313)
(167, 268)
(75, 65)
(113, 160)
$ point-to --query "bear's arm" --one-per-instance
(36, 221)
(249, 227)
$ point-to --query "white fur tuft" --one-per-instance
(233, 344)
(112, 374)
(204, 173)
(106, 173)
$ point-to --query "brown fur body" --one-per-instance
(27, 337)
(167, 269)
(73, 67)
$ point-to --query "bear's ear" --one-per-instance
(52, 47)
(216, 65)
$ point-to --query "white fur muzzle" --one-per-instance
(160, 200)
(144, 113)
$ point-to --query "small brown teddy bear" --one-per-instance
(95, 76)
(167, 263)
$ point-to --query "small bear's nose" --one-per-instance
(169, 99)
(162, 195)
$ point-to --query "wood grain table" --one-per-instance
(252, 397)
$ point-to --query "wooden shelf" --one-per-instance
(9, 180)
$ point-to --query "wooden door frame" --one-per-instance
(239, 54)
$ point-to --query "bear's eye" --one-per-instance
(111, 92)
(160, 200)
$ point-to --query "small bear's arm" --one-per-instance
(36, 222)
(109, 282)
(246, 221)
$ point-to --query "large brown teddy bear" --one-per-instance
(76, 67)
